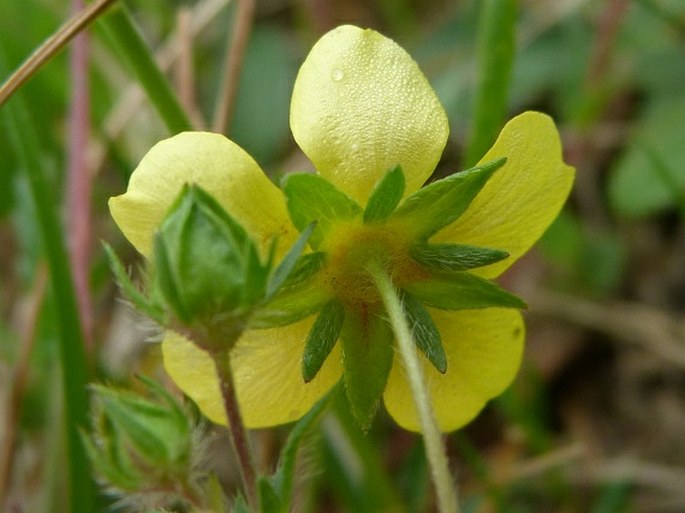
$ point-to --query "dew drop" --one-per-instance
(338, 75)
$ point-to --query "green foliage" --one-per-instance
(289, 263)
(438, 204)
(311, 199)
(650, 175)
(623, 130)
(147, 449)
(496, 46)
(455, 257)
(460, 290)
(386, 196)
(367, 345)
(138, 443)
(426, 334)
(322, 338)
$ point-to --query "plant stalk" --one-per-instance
(235, 54)
(435, 451)
(236, 428)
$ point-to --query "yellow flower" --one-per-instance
(361, 107)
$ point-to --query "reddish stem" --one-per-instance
(241, 443)
(79, 181)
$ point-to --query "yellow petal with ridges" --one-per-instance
(361, 106)
(220, 167)
(523, 197)
(267, 371)
(483, 348)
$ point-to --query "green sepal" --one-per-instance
(426, 334)
(158, 430)
(385, 196)
(455, 257)
(289, 262)
(436, 205)
(462, 291)
(367, 343)
(322, 338)
(312, 198)
(300, 296)
(109, 463)
(138, 442)
(146, 305)
(269, 500)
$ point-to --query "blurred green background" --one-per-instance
(595, 420)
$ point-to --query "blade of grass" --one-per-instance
(129, 45)
(496, 46)
(25, 140)
(51, 46)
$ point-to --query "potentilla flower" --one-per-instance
(367, 118)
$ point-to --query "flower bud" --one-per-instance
(140, 444)
(207, 268)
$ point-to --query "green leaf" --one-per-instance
(385, 196)
(462, 291)
(636, 185)
(129, 290)
(322, 338)
(426, 334)
(455, 257)
(367, 359)
(289, 262)
(312, 198)
(496, 47)
(435, 206)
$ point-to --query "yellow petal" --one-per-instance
(361, 106)
(267, 370)
(218, 165)
(483, 349)
(522, 198)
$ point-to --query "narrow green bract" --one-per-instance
(426, 334)
(289, 262)
(462, 291)
(322, 338)
(440, 203)
(385, 196)
(455, 257)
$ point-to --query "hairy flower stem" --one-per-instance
(236, 428)
(435, 450)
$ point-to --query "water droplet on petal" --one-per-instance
(338, 75)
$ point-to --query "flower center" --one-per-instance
(353, 247)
